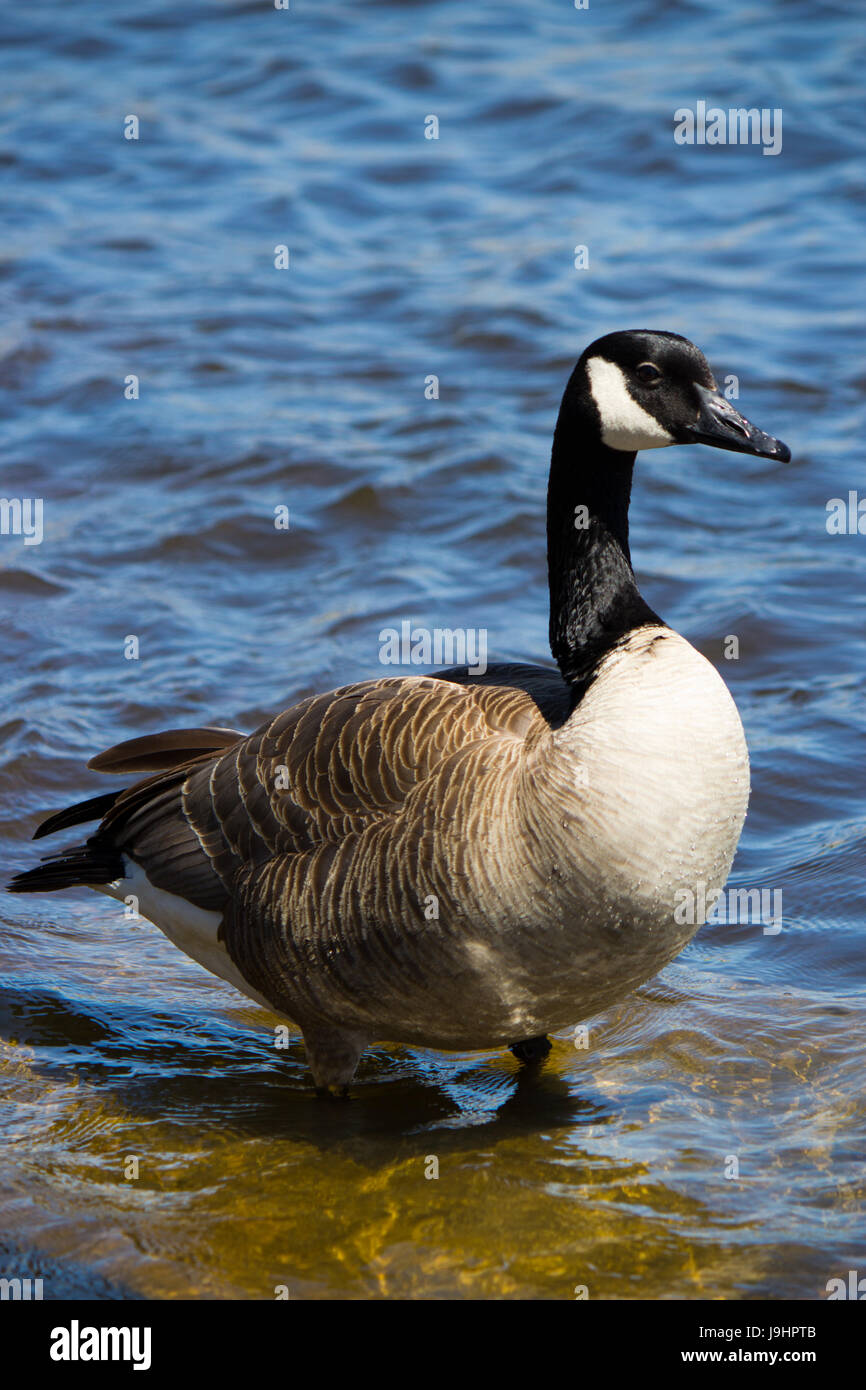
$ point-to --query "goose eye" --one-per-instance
(647, 371)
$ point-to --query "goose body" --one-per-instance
(458, 861)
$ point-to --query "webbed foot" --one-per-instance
(532, 1050)
(332, 1054)
(333, 1092)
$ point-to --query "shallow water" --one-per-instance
(305, 388)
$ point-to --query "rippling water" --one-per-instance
(409, 258)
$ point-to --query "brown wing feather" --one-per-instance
(157, 752)
(310, 780)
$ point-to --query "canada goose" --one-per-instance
(453, 861)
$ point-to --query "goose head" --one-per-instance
(648, 390)
(629, 391)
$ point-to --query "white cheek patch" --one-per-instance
(624, 423)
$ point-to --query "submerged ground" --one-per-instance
(708, 1142)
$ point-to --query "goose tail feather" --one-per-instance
(99, 860)
(81, 866)
(80, 814)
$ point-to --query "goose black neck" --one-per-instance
(594, 598)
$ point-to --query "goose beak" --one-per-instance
(720, 425)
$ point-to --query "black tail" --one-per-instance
(84, 864)
(96, 861)
(80, 814)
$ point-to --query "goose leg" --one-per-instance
(332, 1055)
(532, 1049)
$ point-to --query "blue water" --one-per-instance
(305, 388)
